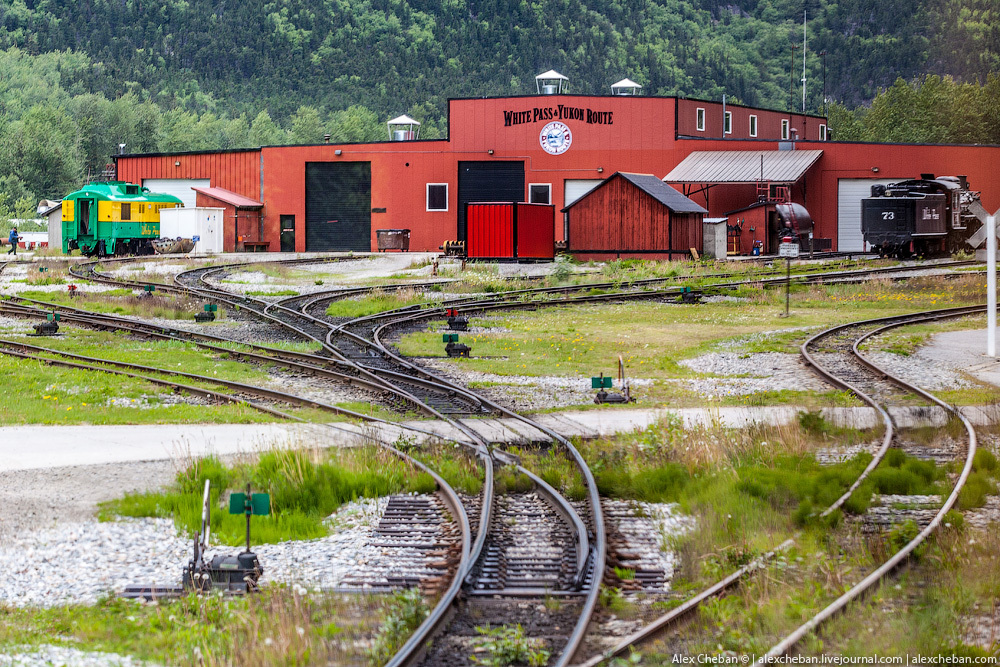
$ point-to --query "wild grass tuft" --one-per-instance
(306, 486)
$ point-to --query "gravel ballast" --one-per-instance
(79, 562)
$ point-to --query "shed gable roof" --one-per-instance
(229, 197)
(655, 188)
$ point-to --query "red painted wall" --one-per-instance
(818, 190)
(609, 134)
(768, 122)
(236, 171)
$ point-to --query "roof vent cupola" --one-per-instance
(403, 128)
(551, 83)
(625, 87)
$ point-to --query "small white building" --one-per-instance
(54, 216)
(201, 224)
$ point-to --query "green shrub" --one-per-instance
(984, 461)
(405, 614)
(508, 646)
(903, 534)
(974, 492)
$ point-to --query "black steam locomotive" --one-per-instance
(923, 216)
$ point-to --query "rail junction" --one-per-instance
(504, 553)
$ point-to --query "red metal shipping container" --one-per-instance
(490, 230)
(535, 231)
(510, 230)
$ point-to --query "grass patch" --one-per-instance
(36, 393)
(276, 292)
(125, 302)
(306, 486)
(377, 301)
(279, 626)
(581, 341)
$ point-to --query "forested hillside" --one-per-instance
(79, 77)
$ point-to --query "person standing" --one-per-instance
(13, 238)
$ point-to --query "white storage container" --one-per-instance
(202, 225)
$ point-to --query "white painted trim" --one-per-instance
(427, 199)
(699, 119)
(785, 125)
(727, 120)
(548, 185)
(822, 132)
(753, 125)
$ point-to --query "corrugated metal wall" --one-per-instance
(236, 171)
(619, 217)
(490, 230)
(536, 232)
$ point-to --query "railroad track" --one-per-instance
(578, 547)
(835, 354)
(357, 347)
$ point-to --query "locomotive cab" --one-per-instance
(924, 216)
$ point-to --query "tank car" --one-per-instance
(113, 218)
(923, 216)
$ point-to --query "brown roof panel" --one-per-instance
(743, 166)
(229, 197)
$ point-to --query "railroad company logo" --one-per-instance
(555, 138)
(558, 112)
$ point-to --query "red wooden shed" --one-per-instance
(633, 215)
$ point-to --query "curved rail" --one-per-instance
(786, 644)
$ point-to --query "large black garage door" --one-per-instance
(487, 181)
(338, 206)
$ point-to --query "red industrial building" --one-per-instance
(546, 149)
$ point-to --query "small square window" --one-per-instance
(753, 126)
(437, 196)
(700, 117)
(784, 130)
(540, 193)
(728, 123)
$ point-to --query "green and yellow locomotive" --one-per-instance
(113, 218)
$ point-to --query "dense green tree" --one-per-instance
(42, 151)
(306, 126)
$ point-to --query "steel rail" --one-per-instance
(692, 603)
(448, 493)
(598, 550)
(790, 641)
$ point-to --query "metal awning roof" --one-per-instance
(743, 166)
(223, 195)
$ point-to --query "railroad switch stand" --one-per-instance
(231, 574)
(71, 289)
(147, 291)
(457, 322)
(50, 327)
(208, 314)
(602, 383)
(689, 296)
(453, 348)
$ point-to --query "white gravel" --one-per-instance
(61, 656)
(921, 370)
(765, 371)
(81, 562)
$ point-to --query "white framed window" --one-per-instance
(539, 193)
(753, 126)
(437, 196)
(822, 132)
(784, 130)
(700, 119)
(727, 123)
